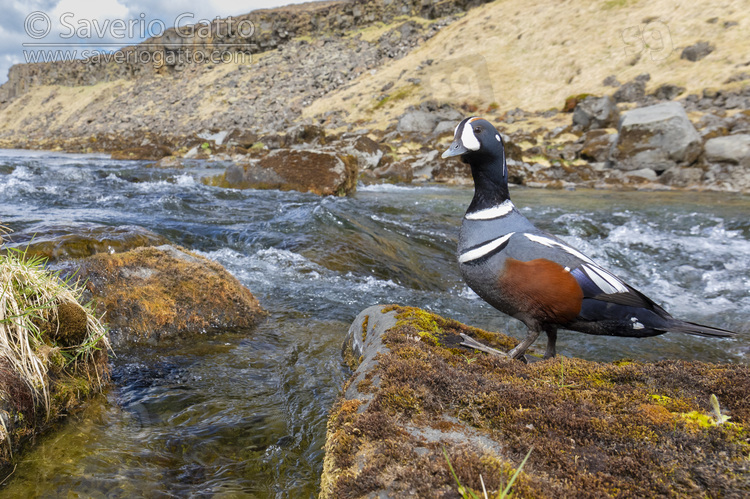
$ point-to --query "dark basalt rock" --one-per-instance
(697, 51)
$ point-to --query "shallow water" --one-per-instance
(245, 414)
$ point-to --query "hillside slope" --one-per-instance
(532, 55)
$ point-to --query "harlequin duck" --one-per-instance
(534, 276)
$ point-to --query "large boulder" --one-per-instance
(657, 137)
(418, 122)
(596, 112)
(319, 172)
(367, 151)
(419, 400)
(155, 293)
(729, 149)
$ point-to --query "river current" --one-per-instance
(234, 414)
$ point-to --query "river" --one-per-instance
(244, 414)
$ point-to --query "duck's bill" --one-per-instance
(456, 149)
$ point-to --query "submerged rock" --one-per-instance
(154, 293)
(590, 429)
(79, 240)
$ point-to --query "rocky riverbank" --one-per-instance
(374, 84)
(54, 351)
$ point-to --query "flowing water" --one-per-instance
(244, 415)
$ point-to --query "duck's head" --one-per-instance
(480, 145)
(476, 138)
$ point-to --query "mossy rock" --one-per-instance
(155, 293)
(624, 429)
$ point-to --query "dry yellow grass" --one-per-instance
(534, 54)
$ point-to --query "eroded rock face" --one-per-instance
(603, 427)
(155, 293)
(657, 137)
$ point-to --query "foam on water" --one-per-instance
(398, 188)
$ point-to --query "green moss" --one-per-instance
(615, 4)
(397, 95)
(698, 418)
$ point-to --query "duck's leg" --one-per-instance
(551, 341)
(521, 348)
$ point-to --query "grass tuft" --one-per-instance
(30, 298)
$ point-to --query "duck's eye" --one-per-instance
(478, 130)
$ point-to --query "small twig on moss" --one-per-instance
(470, 342)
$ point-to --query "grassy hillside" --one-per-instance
(532, 55)
(499, 56)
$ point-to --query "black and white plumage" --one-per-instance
(532, 275)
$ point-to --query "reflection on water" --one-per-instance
(245, 413)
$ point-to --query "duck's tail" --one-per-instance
(678, 326)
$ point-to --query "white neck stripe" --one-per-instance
(484, 249)
(491, 213)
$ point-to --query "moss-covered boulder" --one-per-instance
(624, 429)
(320, 172)
(153, 293)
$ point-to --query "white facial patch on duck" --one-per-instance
(492, 213)
(468, 139)
(483, 250)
